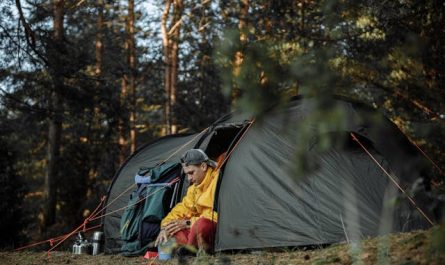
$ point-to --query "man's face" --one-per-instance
(195, 173)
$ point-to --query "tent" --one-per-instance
(268, 196)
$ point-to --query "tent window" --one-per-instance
(221, 142)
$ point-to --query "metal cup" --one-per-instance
(97, 242)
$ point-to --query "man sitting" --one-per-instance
(192, 221)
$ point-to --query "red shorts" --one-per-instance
(200, 235)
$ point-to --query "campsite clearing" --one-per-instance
(420, 247)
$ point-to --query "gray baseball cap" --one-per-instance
(196, 157)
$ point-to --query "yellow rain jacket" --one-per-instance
(198, 202)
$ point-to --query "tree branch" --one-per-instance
(5, 30)
(29, 34)
(178, 23)
(26, 105)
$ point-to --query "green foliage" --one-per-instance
(264, 78)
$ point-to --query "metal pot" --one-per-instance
(82, 246)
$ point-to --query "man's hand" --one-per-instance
(175, 226)
(162, 237)
(170, 229)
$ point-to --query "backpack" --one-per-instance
(147, 206)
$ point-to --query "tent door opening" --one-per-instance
(219, 146)
(222, 141)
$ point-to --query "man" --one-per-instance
(192, 221)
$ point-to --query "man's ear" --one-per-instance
(204, 166)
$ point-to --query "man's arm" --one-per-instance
(178, 218)
(182, 210)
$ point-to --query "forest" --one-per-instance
(85, 83)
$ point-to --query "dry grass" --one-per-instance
(421, 247)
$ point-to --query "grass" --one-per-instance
(419, 247)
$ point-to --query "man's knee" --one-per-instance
(202, 233)
(204, 226)
(182, 236)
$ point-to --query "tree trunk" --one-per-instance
(99, 54)
(123, 149)
(55, 120)
(128, 89)
(204, 21)
(54, 137)
(131, 55)
(175, 38)
(167, 62)
(99, 37)
(170, 42)
(239, 56)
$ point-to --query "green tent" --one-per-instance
(269, 196)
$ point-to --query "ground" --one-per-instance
(419, 247)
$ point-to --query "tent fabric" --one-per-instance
(269, 197)
(342, 195)
(309, 211)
